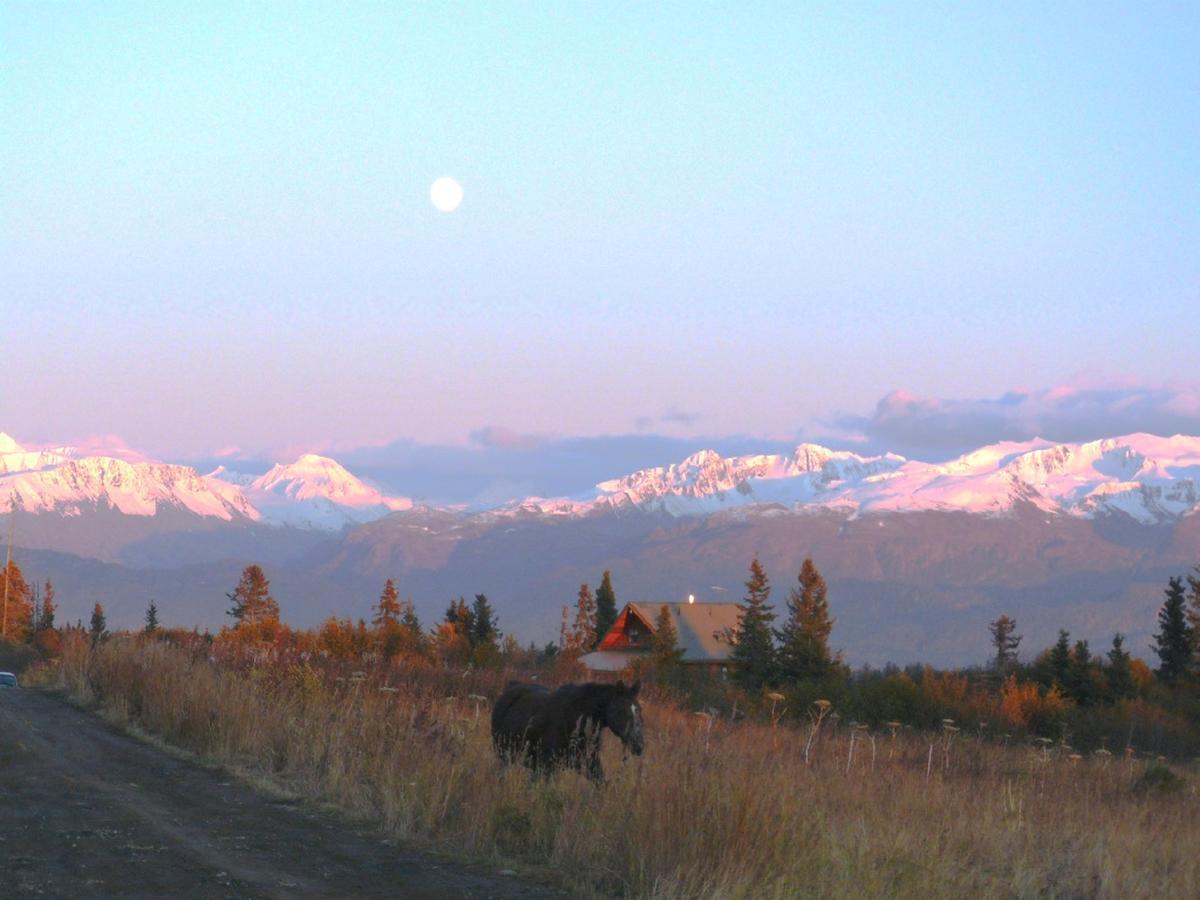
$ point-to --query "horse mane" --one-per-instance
(595, 694)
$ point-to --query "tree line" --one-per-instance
(1085, 677)
(1066, 686)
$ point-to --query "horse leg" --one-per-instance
(594, 770)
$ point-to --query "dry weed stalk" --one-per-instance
(949, 730)
(818, 712)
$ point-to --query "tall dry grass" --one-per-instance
(711, 809)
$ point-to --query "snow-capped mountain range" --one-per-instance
(1147, 478)
(312, 492)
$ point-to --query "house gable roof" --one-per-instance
(706, 630)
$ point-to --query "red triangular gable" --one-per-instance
(615, 638)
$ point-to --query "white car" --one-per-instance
(8, 680)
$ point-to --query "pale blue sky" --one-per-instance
(215, 226)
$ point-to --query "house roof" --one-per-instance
(706, 630)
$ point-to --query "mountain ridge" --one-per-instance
(919, 557)
(1149, 478)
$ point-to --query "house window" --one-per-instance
(634, 635)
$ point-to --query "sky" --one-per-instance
(912, 223)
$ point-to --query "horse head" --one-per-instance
(623, 715)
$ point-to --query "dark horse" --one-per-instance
(562, 728)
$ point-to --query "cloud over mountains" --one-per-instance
(499, 463)
(923, 426)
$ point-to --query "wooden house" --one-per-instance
(706, 635)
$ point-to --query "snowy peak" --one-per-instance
(71, 487)
(319, 477)
(316, 491)
(1145, 477)
(1151, 479)
(312, 492)
(15, 458)
(29, 460)
(1148, 478)
(742, 480)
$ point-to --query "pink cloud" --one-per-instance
(1074, 411)
(497, 437)
(99, 445)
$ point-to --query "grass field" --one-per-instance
(711, 809)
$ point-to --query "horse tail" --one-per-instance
(505, 702)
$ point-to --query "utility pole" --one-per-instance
(12, 518)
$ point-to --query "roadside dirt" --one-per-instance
(88, 812)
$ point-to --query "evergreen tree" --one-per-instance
(804, 638)
(387, 610)
(453, 636)
(1060, 660)
(664, 645)
(1081, 673)
(151, 618)
(99, 625)
(408, 618)
(252, 601)
(1173, 642)
(412, 637)
(45, 613)
(484, 632)
(459, 618)
(606, 608)
(1120, 676)
(401, 634)
(581, 636)
(1194, 612)
(1005, 640)
(754, 651)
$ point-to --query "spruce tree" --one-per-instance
(1193, 612)
(408, 617)
(151, 618)
(252, 601)
(1081, 673)
(754, 651)
(99, 624)
(1120, 676)
(581, 636)
(387, 610)
(403, 635)
(1173, 642)
(1060, 660)
(606, 607)
(804, 638)
(45, 613)
(664, 645)
(1005, 640)
(459, 618)
(484, 632)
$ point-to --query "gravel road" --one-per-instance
(88, 812)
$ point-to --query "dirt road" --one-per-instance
(88, 812)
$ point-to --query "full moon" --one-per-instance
(445, 194)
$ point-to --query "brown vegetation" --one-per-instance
(713, 808)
